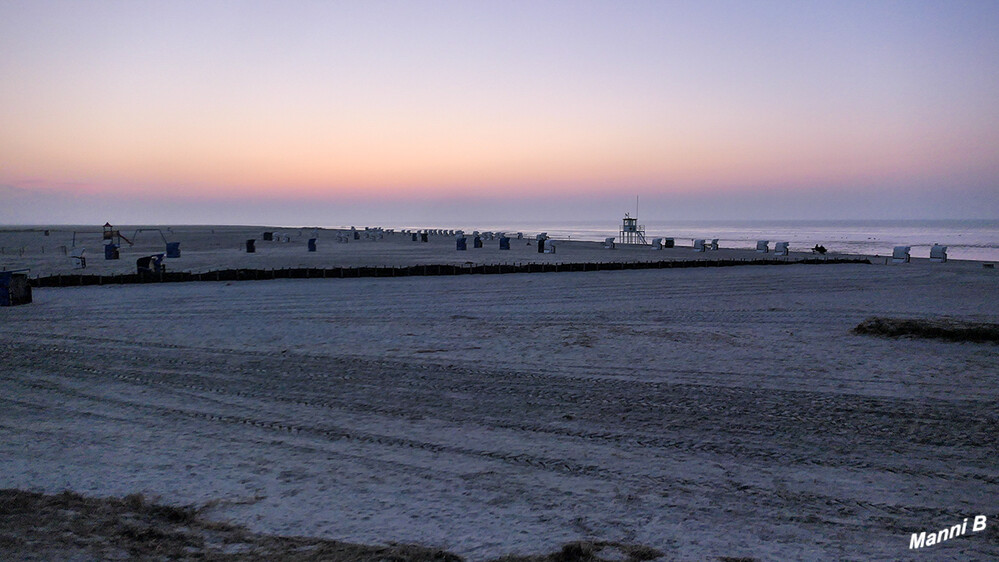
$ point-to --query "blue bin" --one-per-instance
(173, 250)
(312, 244)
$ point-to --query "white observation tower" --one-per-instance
(631, 231)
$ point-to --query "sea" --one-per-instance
(965, 239)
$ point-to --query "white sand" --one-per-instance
(704, 412)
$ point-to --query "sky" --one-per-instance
(400, 113)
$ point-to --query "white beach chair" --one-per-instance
(714, 243)
(549, 246)
(699, 245)
(79, 257)
(657, 243)
(938, 253)
(763, 246)
(609, 243)
(900, 254)
(780, 248)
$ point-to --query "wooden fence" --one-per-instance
(75, 280)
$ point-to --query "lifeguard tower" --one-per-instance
(632, 232)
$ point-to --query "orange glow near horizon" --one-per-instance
(326, 107)
(382, 164)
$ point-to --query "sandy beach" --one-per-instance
(205, 249)
(702, 412)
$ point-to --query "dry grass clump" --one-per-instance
(69, 526)
(597, 551)
(947, 329)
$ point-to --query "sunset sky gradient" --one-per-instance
(331, 112)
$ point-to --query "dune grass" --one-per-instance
(943, 328)
(69, 526)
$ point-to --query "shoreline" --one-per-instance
(203, 250)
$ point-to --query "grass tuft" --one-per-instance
(946, 329)
(70, 526)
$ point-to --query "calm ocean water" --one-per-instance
(965, 239)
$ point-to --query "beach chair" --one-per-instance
(609, 243)
(549, 246)
(699, 245)
(15, 289)
(79, 255)
(668, 243)
(938, 253)
(763, 246)
(714, 243)
(461, 244)
(504, 243)
(657, 243)
(780, 248)
(150, 264)
(900, 254)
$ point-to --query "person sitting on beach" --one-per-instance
(819, 249)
